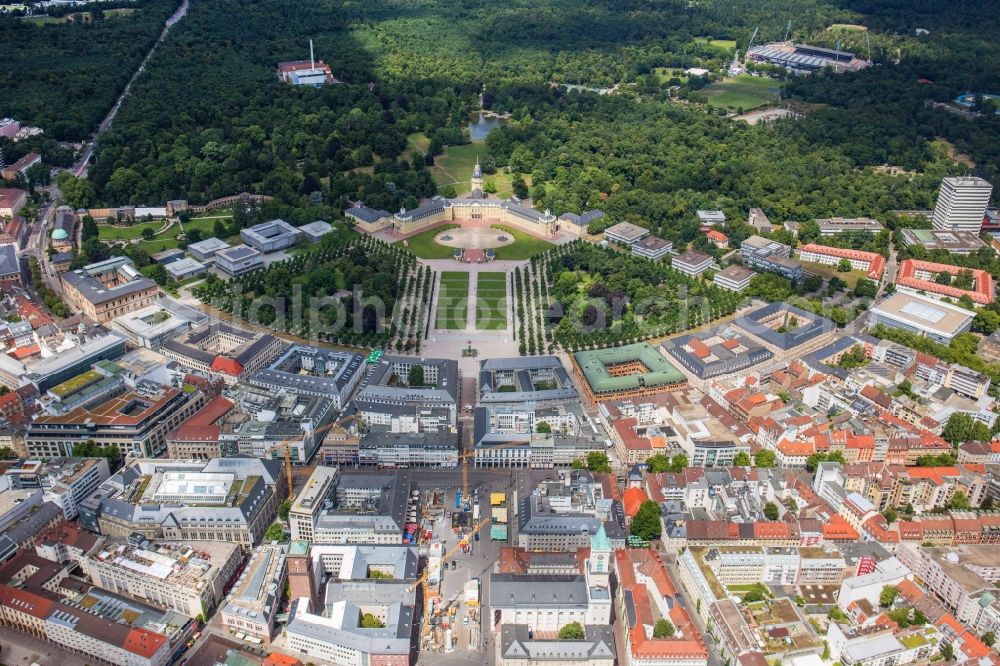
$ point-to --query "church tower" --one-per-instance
(599, 564)
(477, 180)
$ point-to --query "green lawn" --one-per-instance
(423, 245)
(827, 271)
(455, 166)
(491, 301)
(453, 296)
(525, 247)
(111, 232)
(726, 44)
(744, 91)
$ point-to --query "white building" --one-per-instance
(548, 602)
(187, 578)
(734, 278)
(869, 586)
(962, 203)
(931, 318)
(692, 263)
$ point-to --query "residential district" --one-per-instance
(772, 488)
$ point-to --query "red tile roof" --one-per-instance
(143, 643)
(876, 262)
(201, 426)
(634, 497)
(982, 293)
(227, 365)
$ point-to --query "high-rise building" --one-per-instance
(962, 203)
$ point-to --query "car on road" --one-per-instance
(465, 620)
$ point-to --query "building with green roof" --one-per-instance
(634, 370)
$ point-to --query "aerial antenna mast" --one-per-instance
(312, 61)
(788, 29)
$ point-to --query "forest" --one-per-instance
(65, 76)
(597, 296)
(208, 117)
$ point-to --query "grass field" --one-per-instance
(847, 27)
(491, 301)
(455, 166)
(826, 272)
(525, 246)
(165, 241)
(727, 44)
(423, 245)
(453, 298)
(744, 91)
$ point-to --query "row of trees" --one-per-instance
(601, 297)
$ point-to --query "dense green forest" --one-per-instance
(65, 76)
(208, 117)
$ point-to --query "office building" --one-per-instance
(692, 262)
(962, 203)
(49, 372)
(307, 370)
(186, 577)
(253, 605)
(772, 256)
(652, 247)
(734, 278)
(108, 289)
(135, 421)
(341, 507)
(938, 321)
(270, 236)
(387, 390)
(871, 263)
(226, 499)
(625, 233)
(238, 260)
(922, 277)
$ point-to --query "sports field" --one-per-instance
(744, 91)
(491, 301)
(452, 302)
(726, 44)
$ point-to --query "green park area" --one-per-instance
(491, 301)
(424, 246)
(162, 238)
(725, 44)
(828, 271)
(525, 245)
(744, 91)
(454, 168)
(452, 301)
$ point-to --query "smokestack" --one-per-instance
(312, 63)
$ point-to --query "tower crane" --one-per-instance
(422, 580)
(750, 44)
(285, 446)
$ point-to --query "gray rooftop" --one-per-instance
(537, 591)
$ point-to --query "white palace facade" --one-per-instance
(440, 210)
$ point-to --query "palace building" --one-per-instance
(440, 210)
